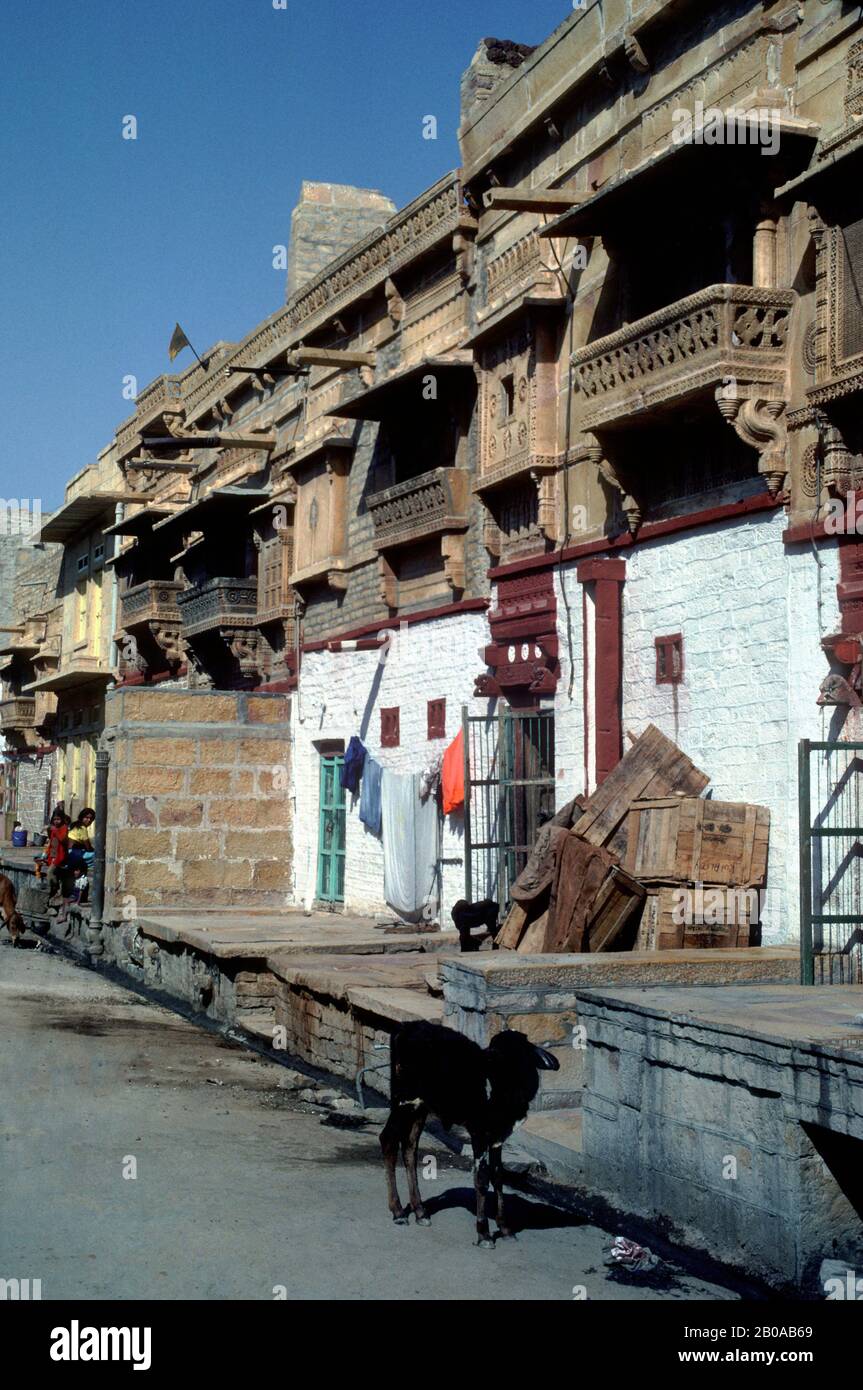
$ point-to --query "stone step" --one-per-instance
(258, 1024)
(396, 1005)
(552, 1137)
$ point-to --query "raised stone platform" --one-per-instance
(732, 1119)
(487, 992)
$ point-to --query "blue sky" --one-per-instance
(106, 242)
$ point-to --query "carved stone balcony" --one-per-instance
(218, 603)
(152, 601)
(219, 622)
(18, 714)
(722, 338)
(433, 504)
(430, 505)
(149, 614)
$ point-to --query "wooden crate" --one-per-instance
(652, 767)
(697, 841)
(619, 899)
(661, 929)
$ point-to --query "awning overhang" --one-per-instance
(403, 388)
(669, 175)
(82, 514)
(217, 505)
(71, 677)
(834, 170)
(142, 522)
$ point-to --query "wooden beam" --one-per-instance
(554, 200)
(163, 466)
(331, 357)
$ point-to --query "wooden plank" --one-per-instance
(532, 943)
(617, 901)
(653, 767)
(513, 928)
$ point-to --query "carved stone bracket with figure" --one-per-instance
(631, 507)
(758, 420)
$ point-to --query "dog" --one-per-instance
(11, 916)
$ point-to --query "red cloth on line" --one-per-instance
(452, 775)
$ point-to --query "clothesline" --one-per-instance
(362, 772)
(401, 808)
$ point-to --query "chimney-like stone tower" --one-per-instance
(327, 221)
(494, 61)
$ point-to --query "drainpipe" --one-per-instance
(97, 885)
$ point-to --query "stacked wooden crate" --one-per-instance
(643, 863)
(703, 864)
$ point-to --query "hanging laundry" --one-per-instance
(370, 796)
(453, 774)
(430, 777)
(352, 768)
(410, 835)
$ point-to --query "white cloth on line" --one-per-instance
(410, 837)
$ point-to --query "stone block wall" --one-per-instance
(701, 1132)
(199, 807)
(327, 221)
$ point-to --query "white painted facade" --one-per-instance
(752, 614)
(341, 694)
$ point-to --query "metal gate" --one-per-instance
(509, 794)
(830, 782)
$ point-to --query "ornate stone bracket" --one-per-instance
(395, 303)
(547, 515)
(452, 549)
(758, 421)
(243, 643)
(630, 505)
(167, 639)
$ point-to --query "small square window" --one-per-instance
(507, 394)
(83, 563)
(669, 659)
(390, 733)
(437, 718)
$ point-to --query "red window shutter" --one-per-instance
(669, 659)
(437, 718)
(390, 733)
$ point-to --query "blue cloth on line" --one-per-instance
(370, 797)
(352, 768)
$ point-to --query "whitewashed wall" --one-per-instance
(749, 614)
(341, 694)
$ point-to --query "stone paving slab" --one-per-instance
(396, 1005)
(268, 935)
(816, 1016)
(336, 976)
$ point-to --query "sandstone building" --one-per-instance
(546, 454)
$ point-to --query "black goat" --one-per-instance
(434, 1070)
(469, 915)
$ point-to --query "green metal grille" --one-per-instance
(830, 782)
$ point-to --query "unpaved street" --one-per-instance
(239, 1189)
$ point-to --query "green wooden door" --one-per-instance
(331, 831)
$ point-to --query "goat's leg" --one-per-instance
(391, 1140)
(409, 1151)
(495, 1158)
(480, 1182)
